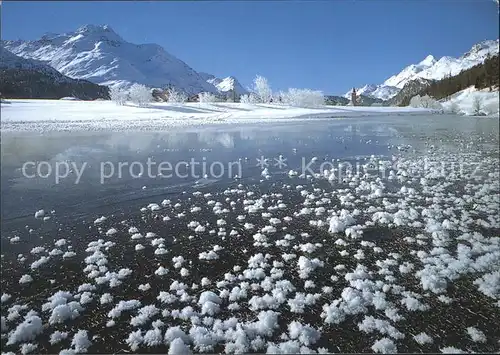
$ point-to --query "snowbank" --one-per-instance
(95, 115)
(464, 102)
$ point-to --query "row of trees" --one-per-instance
(33, 83)
(260, 93)
(142, 95)
(263, 94)
(425, 102)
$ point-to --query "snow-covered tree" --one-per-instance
(118, 95)
(302, 97)
(175, 96)
(140, 94)
(262, 89)
(425, 102)
(207, 97)
(249, 99)
(477, 105)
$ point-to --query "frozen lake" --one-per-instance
(394, 247)
(102, 152)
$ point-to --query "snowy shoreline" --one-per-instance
(61, 115)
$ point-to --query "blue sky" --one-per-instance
(330, 45)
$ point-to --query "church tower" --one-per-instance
(354, 98)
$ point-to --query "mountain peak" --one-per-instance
(482, 48)
(227, 84)
(88, 29)
(94, 33)
(369, 87)
(484, 44)
(49, 35)
(428, 61)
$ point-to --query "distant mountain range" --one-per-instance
(100, 55)
(429, 69)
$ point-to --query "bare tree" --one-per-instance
(140, 95)
(118, 95)
(262, 89)
(425, 102)
(303, 97)
(249, 99)
(477, 105)
(207, 97)
(175, 96)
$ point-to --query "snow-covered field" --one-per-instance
(465, 101)
(100, 115)
(408, 261)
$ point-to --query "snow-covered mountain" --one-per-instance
(430, 69)
(453, 66)
(30, 78)
(225, 85)
(411, 72)
(100, 55)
